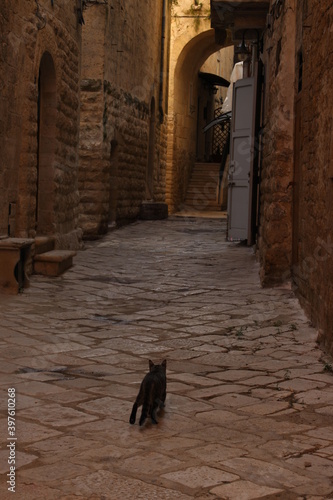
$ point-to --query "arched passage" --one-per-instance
(183, 110)
(47, 113)
(151, 152)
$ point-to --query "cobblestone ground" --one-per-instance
(250, 403)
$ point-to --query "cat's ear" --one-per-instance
(164, 363)
(151, 365)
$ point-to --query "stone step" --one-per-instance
(206, 169)
(204, 178)
(54, 262)
(201, 197)
(204, 181)
(209, 198)
(43, 244)
(201, 192)
(205, 175)
(209, 167)
(206, 186)
(202, 204)
(206, 165)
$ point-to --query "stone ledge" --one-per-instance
(54, 255)
(16, 242)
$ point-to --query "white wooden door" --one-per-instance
(241, 159)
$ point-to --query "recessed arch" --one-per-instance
(151, 151)
(47, 115)
(183, 104)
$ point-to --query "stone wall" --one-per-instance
(94, 156)
(11, 59)
(123, 112)
(29, 30)
(313, 268)
(275, 232)
(297, 172)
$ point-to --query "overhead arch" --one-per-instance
(197, 50)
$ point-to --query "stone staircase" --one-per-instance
(47, 260)
(202, 192)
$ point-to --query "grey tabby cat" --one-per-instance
(152, 393)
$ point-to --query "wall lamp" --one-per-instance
(242, 52)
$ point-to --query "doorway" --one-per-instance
(297, 157)
(46, 136)
(151, 152)
(296, 181)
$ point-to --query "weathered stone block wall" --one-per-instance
(127, 129)
(296, 231)
(8, 120)
(15, 96)
(120, 78)
(136, 86)
(66, 207)
(313, 273)
(182, 158)
(275, 232)
(94, 158)
(28, 30)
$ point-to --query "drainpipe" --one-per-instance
(162, 61)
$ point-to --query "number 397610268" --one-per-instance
(11, 411)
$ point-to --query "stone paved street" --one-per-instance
(249, 408)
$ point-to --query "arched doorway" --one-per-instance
(47, 114)
(187, 106)
(151, 152)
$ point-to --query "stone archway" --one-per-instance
(47, 114)
(183, 111)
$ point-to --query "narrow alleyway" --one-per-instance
(249, 403)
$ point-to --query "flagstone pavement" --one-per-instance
(249, 407)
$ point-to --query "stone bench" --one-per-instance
(15, 253)
(54, 262)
